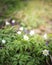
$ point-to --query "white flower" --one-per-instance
(25, 37)
(32, 32)
(21, 28)
(45, 36)
(3, 41)
(13, 21)
(45, 52)
(7, 23)
(19, 32)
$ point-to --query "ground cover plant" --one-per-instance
(23, 49)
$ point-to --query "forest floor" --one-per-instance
(36, 15)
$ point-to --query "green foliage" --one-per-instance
(17, 51)
(7, 7)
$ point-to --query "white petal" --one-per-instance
(19, 32)
(13, 21)
(21, 28)
(45, 36)
(25, 37)
(45, 52)
(3, 41)
(7, 23)
(32, 32)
